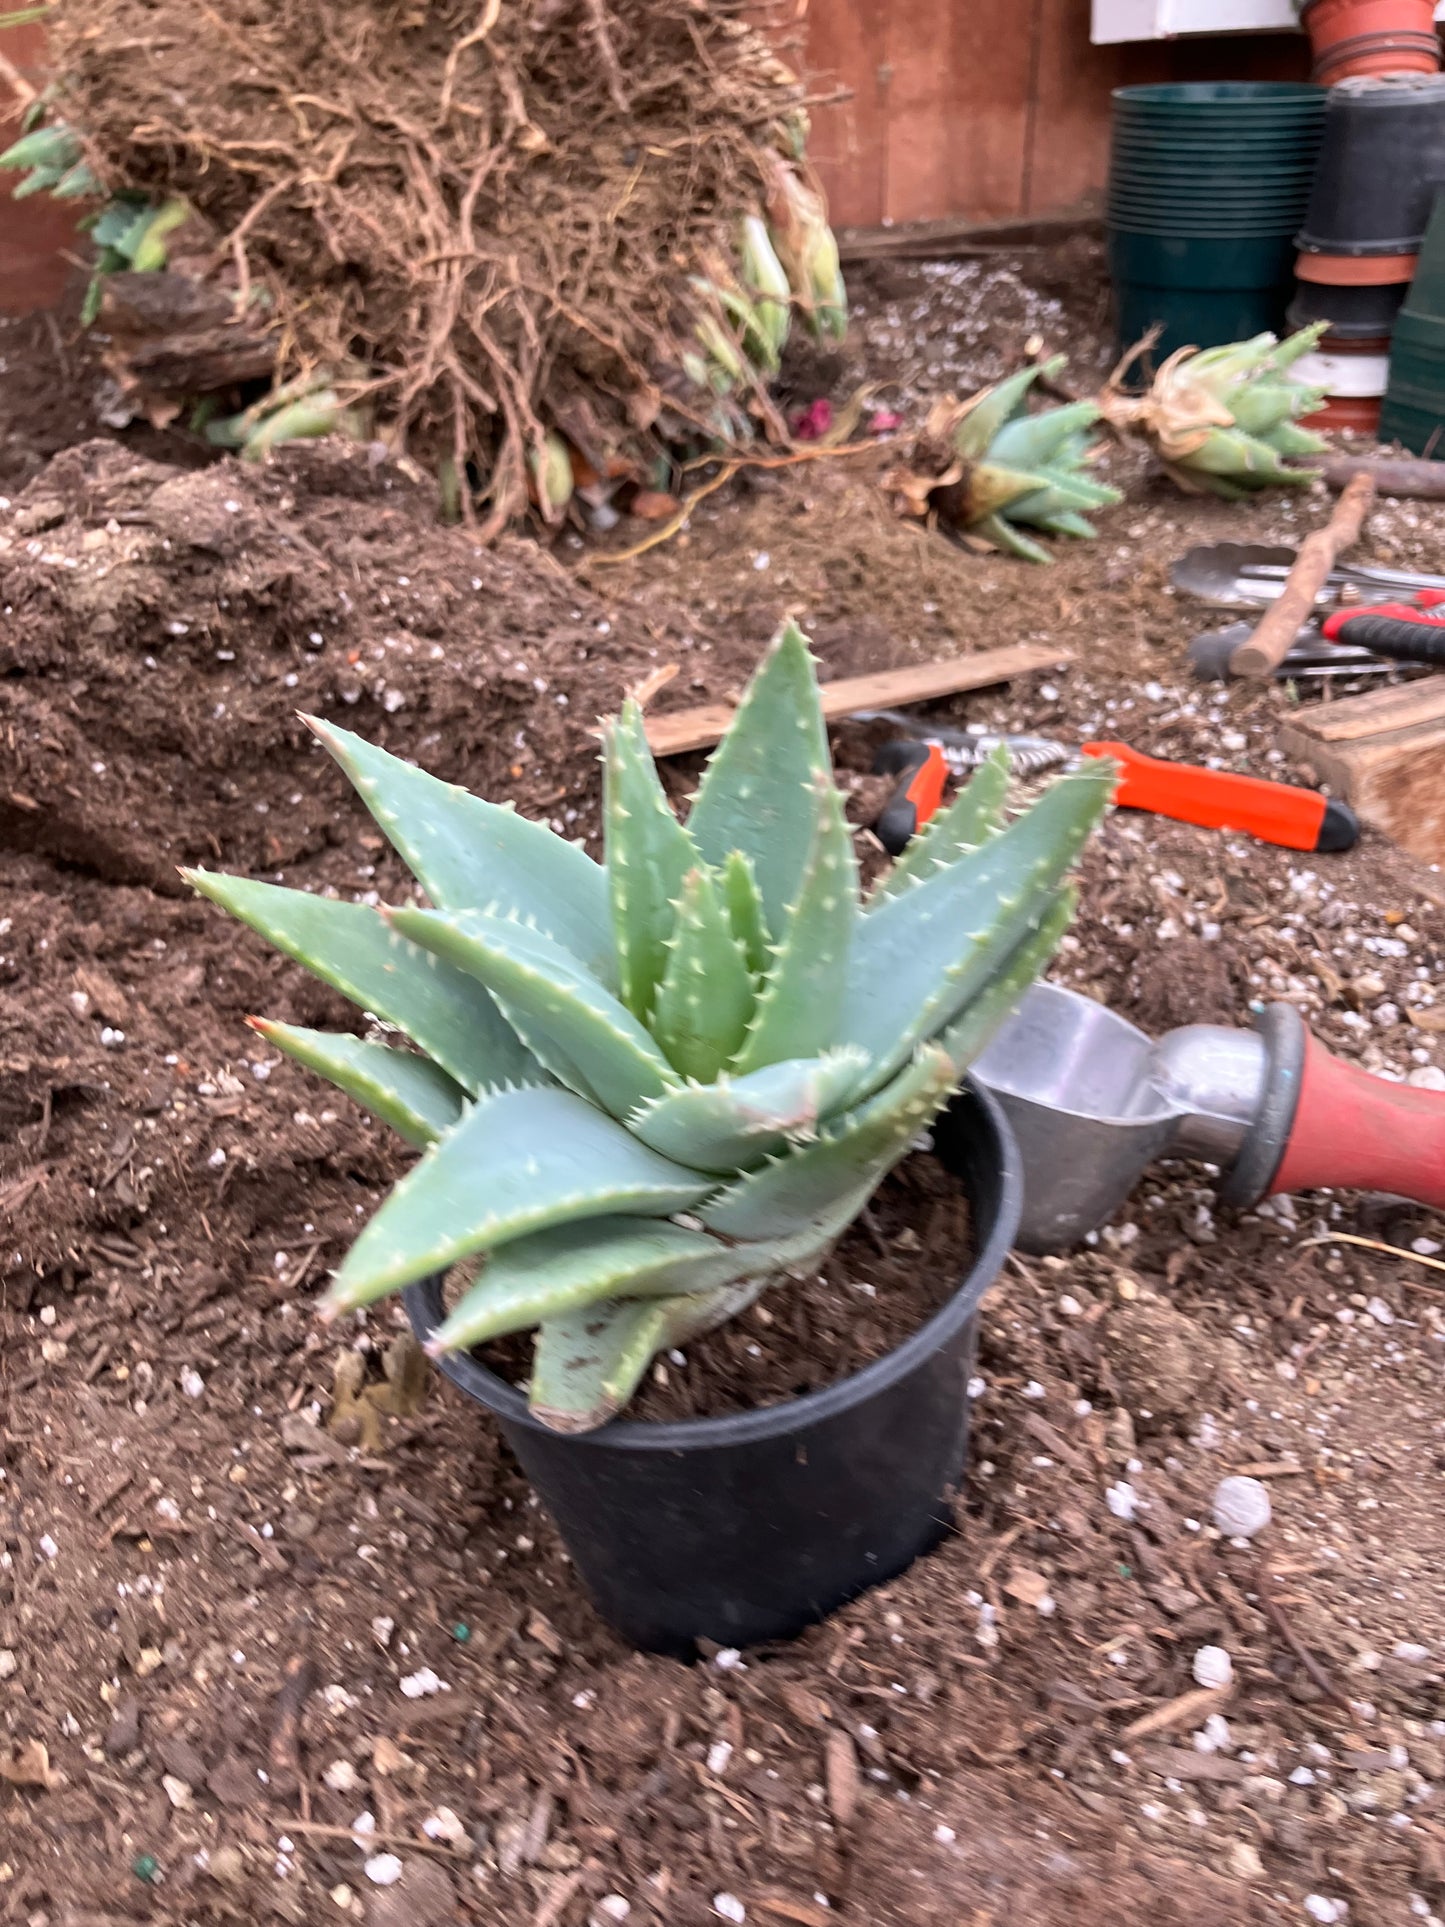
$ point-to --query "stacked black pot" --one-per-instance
(1382, 156)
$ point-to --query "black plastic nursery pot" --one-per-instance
(752, 1526)
(1380, 163)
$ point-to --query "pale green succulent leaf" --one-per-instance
(745, 911)
(410, 1093)
(1066, 522)
(817, 1189)
(518, 1162)
(995, 406)
(1037, 441)
(921, 956)
(736, 1123)
(974, 815)
(755, 791)
(444, 1011)
(1011, 540)
(578, 1030)
(970, 1033)
(570, 1267)
(706, 999)
(468, 854)
(588, 1364)
(648, 853)
(802, 994)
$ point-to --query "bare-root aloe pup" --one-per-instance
(649, 1088)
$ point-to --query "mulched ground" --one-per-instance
(267, 1630)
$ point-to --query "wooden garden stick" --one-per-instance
(1392, 475)
(1281, 622)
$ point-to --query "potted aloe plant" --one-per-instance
(650, 1089)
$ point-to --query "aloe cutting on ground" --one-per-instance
(649, 1087)
(1226, 420)
(989, 467)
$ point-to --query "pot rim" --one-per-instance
(423, 1308)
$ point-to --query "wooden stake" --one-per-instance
(1281, 623)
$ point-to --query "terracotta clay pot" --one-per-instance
(1371, 37)
(36, 234)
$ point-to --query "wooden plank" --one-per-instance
(684, 729)
(1394, 781)
(952, 239)
(1372, 714)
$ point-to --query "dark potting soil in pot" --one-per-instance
(892, 1269)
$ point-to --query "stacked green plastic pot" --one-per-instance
(1414, 407)
(1208, 185)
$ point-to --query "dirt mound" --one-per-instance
(161, 631)
(489, 216)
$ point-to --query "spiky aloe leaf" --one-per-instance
(518, 1162)
(1288, 438)
(969, 1034)
(970, 819)
(776, 747)
(48, 147)
(995, 406)
(735, 1123)
(347, 945)
(1227, 454)
(589, 1363)
(579, 1031)
(706, 999)
(648, 855)
(745, 911)
(1038, 441)
(1013, 541)
(1058, 491)
(798, 1006)
(470, 854)
(570, 1267)
(818, 1189)
(410, 1093)
(1065, 522)
(920, 957)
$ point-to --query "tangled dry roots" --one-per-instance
(489, 208)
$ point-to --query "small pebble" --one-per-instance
(614, 1906)
(1122, 1500)
(729, 1907)
(1212, 1667)
(1241, 1507)
(9, 1664)
(444, 1825)
(421, 1685)
(1324, 1910)
(383, 1869)
(340, 1776)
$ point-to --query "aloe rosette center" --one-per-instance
(646, 1088)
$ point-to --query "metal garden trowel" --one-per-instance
(1092, 1101)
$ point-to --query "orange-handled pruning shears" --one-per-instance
(1281, 813)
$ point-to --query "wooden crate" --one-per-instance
(1384, 754)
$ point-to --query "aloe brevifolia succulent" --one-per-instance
(1225, 419)
(986, 465)
(650, 1086)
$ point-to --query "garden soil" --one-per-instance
(283, 1634)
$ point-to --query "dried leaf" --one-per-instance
(653, 506)
(1432, 1017)
(1190, 1709)
(841, 1773)
(1026, 1585)
(807, 1913)
(27, 1763)
(803, 1705)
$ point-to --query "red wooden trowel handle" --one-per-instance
(1358, 1132)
